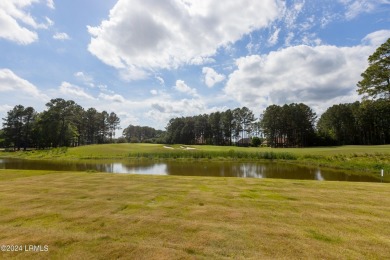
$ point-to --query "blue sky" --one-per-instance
(149, 60)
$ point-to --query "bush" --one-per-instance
(121, 140)
(256, 141)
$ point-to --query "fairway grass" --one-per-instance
(82, 215)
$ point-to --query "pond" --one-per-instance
(193, 168)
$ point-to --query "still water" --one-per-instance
(193, 168)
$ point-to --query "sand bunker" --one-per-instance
(182, 147)
(187, 148)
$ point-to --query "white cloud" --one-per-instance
(163, 110)
(9, 81)
(181, 86)
(253, 46)
(292, 13)
(355, 7)
(160, 80)
(274, 37)
(49, 21)
(50, 4)
(201, 60)
(5, 108)
(176, 32)
(73, 91)
(211, 77)
(132, 73)
(15, 90)
(86, 79)
(104, 88)
(310, 39)
(318, 76)
(112, 98)
(377, 38)
(17, 24)
(61, 36)
(289, 38)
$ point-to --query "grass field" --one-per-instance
(356, 158)
(104, 216)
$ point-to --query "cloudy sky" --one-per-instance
(151, 60)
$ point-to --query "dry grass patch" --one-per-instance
(94, 215)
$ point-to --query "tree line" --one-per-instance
(63, 123)
(359, 123)
(218, 128)
(143, 134)
(290, 125)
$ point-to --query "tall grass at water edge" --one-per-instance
(231, 154)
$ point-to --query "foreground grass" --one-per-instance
(106, 216)
(357, 158)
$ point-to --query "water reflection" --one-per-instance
(319, 175)
(192, 168)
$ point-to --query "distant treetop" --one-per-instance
(376, 78)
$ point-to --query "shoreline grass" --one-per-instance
(356, 158)
(93, 215)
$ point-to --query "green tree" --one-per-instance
(216, 128)
(374, 122)
(243, 120)
(174, 130)
(202, 129)
(227, 125)
(272, 124)
(256, 141)
(18, 126)
(140, 134)
(58, 122)
(2, 139)
(113, 124)
(91, 119)
(376, 78)
(291, 125)
(187, 133)
(339, 124)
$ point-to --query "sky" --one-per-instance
(150, 60)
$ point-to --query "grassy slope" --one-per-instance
(358, 158)
(83, 216)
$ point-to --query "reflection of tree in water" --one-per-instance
(287, 171)
(345, 176)
(240, 169)
(201, 168)
(249, 170)
(46, 165)
(144, 167)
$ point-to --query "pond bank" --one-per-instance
(356, 158)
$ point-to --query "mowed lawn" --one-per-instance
(107, 216)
